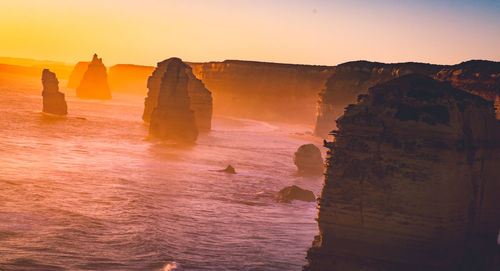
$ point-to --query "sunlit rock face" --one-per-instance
(94, 83)
(308, 160)
(172, 118)
(77, 74)
(264, 91)
(411, 182)
(53, 100)
(354, 78)
(200, 97)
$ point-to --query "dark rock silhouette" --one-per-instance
(290, 193)
(94, 83)
(228, 169)
(411, 182)
(200, 97)
(172, 118)
(353, 79)
(308, 160)
(53, 100)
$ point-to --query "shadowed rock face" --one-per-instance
(411, 182)
(172, 118)
(200, 97)
(355, 78)
(53, 100)
(308, 160)
(94, 83)
(291, 193)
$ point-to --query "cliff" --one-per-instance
(127, 78)
(266, 91)
(53, 100)
(200, 97)
(77, 73)
(94, 83)
(411, 182)
(172, 117)
(354, 78)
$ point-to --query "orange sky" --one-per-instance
(292, 31)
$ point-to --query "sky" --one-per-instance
(316, 32)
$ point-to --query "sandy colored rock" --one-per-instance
(308, 159)
(172, 118)
(53, 100)
(411, 182)
(200, 97)
(94, 83)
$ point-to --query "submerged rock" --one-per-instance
(411, 182)
(94, 83)
(172, 118)
(53, 100)
(200, 97)
(228, 169)
(290, 193)
(308, 160)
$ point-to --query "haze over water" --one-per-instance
(90, 191)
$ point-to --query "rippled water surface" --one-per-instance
(91, 192)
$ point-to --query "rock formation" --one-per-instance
(94, 83)
(77, 74)
(265, 91)
(53, 100)
(172, 117)
(290, 193)
(352, 79)
(308, 159)
(200, 97)
(228, 169)
(411, 182)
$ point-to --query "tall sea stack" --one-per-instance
(53, 100)
(200, 97)
(94, 83)
(411, 182)
(173, 118)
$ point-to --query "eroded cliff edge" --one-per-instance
(354, 78)
(199, 96)
(411, 182)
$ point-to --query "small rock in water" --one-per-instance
(287, 194)
(228, 169)
(308, 160)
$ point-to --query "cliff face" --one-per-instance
(411, 182)
(200, 97)
(126, 78)
(172, 117)
(266, 91)
(94, 83)
(53, 100)
(354, 78)
(77, 74)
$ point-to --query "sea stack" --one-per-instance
(53, 100)
(308, 160)
(411, 182)
(94, 83)
(199, 96)
(172, 118)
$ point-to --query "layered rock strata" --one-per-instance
(53, 100)
(200, 97)
(411, 182)
(172, 118)
(352, 79)
(94, 83)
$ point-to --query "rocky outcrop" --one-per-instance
(53, 100)
(265, 91)
(200, 97)
(77, 73)
(290, 193)
(172, 118)
(229, 169)
(127, 78)
(308, 160)
(94, 83)
(352, 79)
(411, 182)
